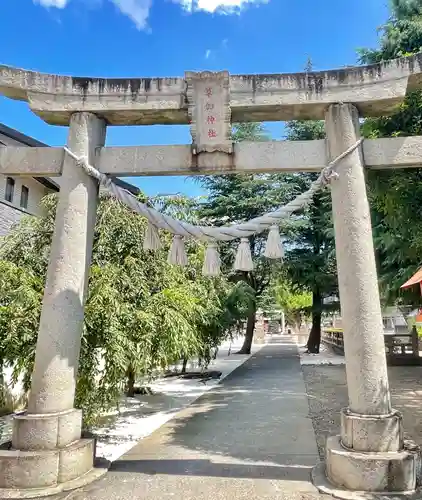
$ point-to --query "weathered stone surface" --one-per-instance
(46, 432)
(375, 90)
(30, 474)
(35, 432)
(366, 366)
(398, 152)
(69, 427)
(92, 475)
(371, 472)
(269, 156)
(208, 96)
(325, 487)
(371, 433)
(28, 469)
(39, 161)
(61, 322)
(374, 459)
(76, 460)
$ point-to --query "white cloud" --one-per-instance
(223, 6)
(207, 53)
(59, 4)
(137, 10)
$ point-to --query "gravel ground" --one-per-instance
(327, 395)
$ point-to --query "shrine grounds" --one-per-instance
(327, 395)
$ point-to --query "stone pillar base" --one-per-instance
(47, 456)
(48, 431)
(371, 433)
(32, 474)
(348, 474)
(369, 457)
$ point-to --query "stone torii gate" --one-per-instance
(48, 454)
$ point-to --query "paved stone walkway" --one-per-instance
(249, 438)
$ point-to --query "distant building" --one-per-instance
(22, 195)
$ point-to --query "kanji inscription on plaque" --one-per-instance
(209, 111)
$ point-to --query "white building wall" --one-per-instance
(36, 191)
(11, 213)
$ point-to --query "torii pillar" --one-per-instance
(48, 454)
(369, 454)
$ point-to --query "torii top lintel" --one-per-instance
(375, 90)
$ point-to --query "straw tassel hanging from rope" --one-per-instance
(152, 238)
(274, 247)
(243, 261)
(212, 261)
(177, 253)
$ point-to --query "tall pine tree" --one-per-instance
(310, 262)
(238, 198)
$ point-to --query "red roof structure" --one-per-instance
(416, 279)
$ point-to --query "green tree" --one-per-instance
(310, 261)
(141, 314)
(294, 302)
(238, 198)
(400, 36)
(396, 196)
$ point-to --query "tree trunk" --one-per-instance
(185, 364)
(2, 387)
(314, 339)
(250, 328)
(130, 391)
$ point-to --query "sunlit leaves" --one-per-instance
(396, 195)
(141, 314)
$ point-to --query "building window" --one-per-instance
(10, 189)
(24, 197)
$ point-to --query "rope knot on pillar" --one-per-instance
(329, 173)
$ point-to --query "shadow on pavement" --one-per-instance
(250, 438)
(259, 415)
(204, 467)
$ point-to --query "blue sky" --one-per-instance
(166, 37)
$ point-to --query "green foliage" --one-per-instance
(310, 262)
(251, 132)
(294, 302)
(400, 36)
(239, 198)
(396, 196)
(305, 130)
(141, 314)
(20, 305)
